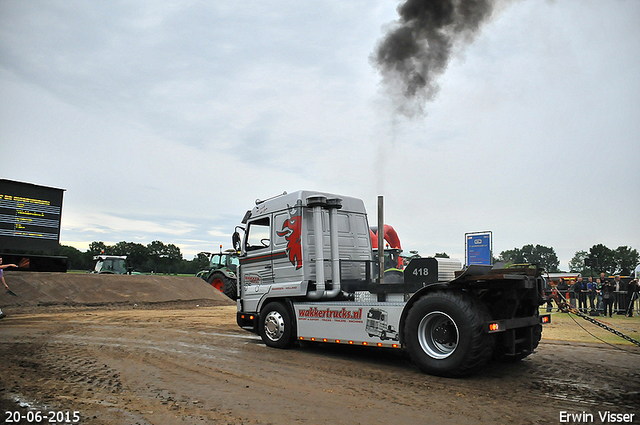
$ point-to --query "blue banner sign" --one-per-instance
(478, 248)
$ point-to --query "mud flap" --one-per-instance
(517, 341)
(516, 338)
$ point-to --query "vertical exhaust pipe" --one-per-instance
(334, 205)
(381, 239)
(317, 203)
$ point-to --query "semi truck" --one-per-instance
(307, 274)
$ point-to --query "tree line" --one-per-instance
(156, 257)
(622, 260)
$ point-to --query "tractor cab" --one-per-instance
(110, 264)
(228, 259)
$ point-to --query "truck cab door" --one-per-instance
(287, 248)
(256, 263)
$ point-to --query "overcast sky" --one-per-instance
(166, 120)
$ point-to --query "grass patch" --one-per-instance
(566, 327)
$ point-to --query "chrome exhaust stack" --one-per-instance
(317, 203)
(334, 205)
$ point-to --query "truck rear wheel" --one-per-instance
(223, 284)
(275, 326)
(444, 334)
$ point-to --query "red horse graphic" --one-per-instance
(291, 231)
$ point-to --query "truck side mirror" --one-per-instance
(236, 241)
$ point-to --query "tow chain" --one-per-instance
(566, 308)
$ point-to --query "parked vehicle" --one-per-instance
(221, 272)
(110, 264)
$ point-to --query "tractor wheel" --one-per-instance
(223, 284)
(230, 289)
(276, 326)
(444, 334)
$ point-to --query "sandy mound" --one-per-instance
(92, 289)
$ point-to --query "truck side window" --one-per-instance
(258, 234)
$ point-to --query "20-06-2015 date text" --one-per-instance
(42, 417)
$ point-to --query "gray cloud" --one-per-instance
(418, 48)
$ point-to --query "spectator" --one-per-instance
(591, 293)
(550, 294)
(607, 297)
(563, 288)
(632, 291)
(603, 278)
(2, 267)
(598, 289)
(573, 297)
(617, 287)
(580, 288)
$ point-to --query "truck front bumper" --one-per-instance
(248, 321)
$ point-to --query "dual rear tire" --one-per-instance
(444, 334)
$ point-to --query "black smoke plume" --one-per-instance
(417, 48)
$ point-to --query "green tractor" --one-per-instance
(221, 272)
(110, 264)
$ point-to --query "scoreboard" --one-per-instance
(30, 216)
(479, 248)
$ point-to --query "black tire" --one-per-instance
(224, 284)
(230, 289)
(444, 334)
(276, 326)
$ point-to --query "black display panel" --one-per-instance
(29, 216)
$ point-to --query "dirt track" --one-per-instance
(81, 289)
(175, 363)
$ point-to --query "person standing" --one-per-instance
(603, 280)
(607, 297)
(598, 290)
(617, 285)
(581, 293)
(563, 289)
(2, 267)
(548, 295)
(632, 290)
(591, 293)
(573, 298)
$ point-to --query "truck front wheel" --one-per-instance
(275, 326)
(444, 334)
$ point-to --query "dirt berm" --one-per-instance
(72, 289)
